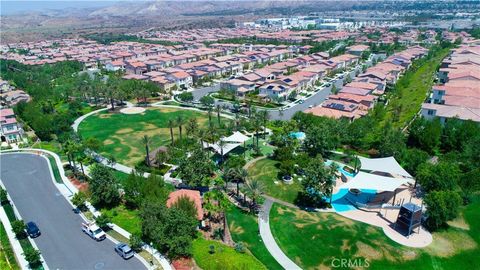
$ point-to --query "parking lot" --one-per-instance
(62, 243)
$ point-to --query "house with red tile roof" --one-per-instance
(192, 195)
(10, 129)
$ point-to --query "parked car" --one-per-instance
(124, 251)
(92, 230)
(311, 106)
(33, 230)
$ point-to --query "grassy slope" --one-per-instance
(266, 171)
(244, 228)
(126, 218)
(224, 258)
(411, 90)
(122, 134)
(325, 236)
(7, 257)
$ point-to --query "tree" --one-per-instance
(102, 221)
(442, 176)
(103, 186)
(412, 158)
(132, 189)
(79, 200)
(196, 169)
(18, 228)
(218, 109)
(425, 134)
(93, 144)
(171, 230)
(32, 256)
(321, 139)
(186, 97)
(391, 142)
(207, 101)
(264, 116)
(318, 183)
(216, 203)
(254, 189)
(442, 206)
(470, 183)
(180, 121)
(192, 126)
(186, 205)
(171, 125)
(146, 142)
(135, 242)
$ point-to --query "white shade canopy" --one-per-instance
(236, 137)
(386, 165)
(365, 180)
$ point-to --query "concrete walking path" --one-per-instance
(269, 240)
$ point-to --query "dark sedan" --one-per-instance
(33, 230)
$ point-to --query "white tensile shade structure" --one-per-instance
(231, 142)
(386, 165)
(365, 180)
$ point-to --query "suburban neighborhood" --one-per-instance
(240, 135)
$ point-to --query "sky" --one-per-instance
(12, 7)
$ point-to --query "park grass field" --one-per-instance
(325, 236)
(224, 257)
(122, 134)
(266, 171)
(7, 257)
(243, 227)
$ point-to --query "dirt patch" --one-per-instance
(184, 264)
(124, 131)
(368, 251)
(235, 229)
(409, 255)
(108, 141)
(460, 223)
(446, 244)
(105, 115)
(345, 245)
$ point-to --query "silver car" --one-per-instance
(124, 250)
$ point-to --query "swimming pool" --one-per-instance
(341, 203)
(298, 135)
(339, 168)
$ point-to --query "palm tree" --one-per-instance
(218, 109)
(264, 116)
(180, 122)
(257, 127)
(192, 126)
(254, 188)
(240, 177)
(171, 125)
(222, 144)
(146, 142)
(209, 116)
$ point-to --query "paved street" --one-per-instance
(62, 243)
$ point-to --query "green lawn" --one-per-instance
(249, 153)
(266, 171)
(122, 134)
(126, 218)
(7, 257)
(224, 258)
(244, 228)
(325, 236)
(411, 90)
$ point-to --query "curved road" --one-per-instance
(62, 243)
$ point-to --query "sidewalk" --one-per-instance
(269, 240)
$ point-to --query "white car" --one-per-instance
(92, 230)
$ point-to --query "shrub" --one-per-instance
(18, 227)
(32, 256)
(211, 249)
(102, 221)
(136, 242)
(3, 196)
(442, 206)
(79, 200)
(239, 247)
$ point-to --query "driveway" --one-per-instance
(200, 92)
(62, 243)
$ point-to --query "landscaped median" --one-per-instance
(25, 249)
(7, 255)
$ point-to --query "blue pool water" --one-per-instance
(341, 204)
(298, 135)
(339, 199)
